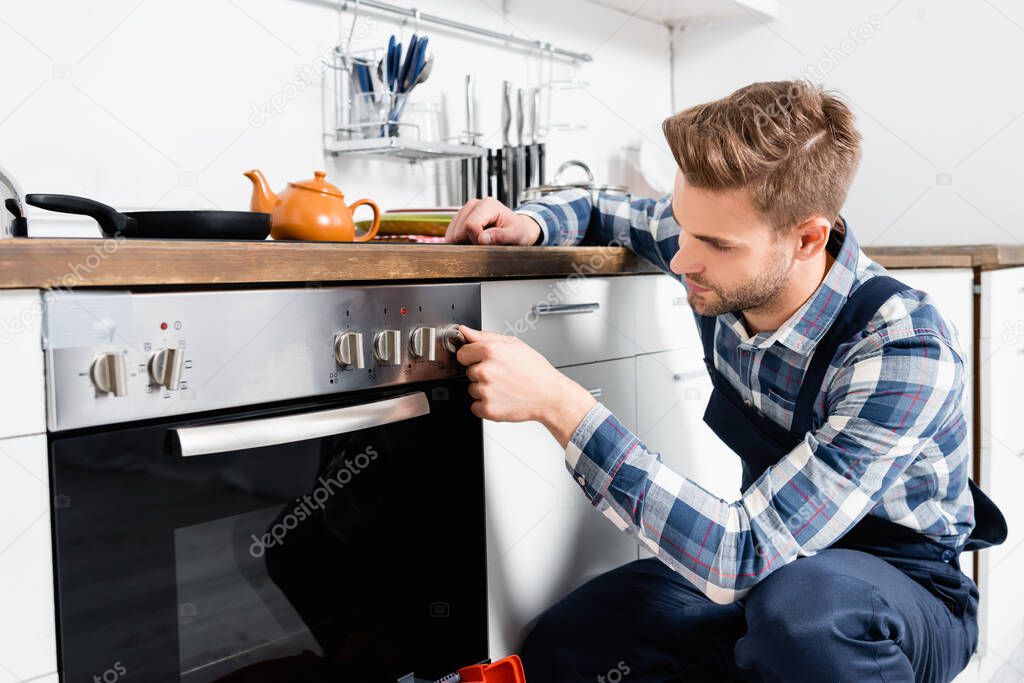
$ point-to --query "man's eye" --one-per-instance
(721, 247)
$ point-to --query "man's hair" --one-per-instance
(791, 145)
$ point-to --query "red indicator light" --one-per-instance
(163, 326)
(404, 311)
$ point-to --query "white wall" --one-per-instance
(937, 88)
(148, 104)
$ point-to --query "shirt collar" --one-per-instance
(802, 331)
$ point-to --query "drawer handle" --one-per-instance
(596, 392)
(565, 309)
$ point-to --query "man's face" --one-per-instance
(730, 258)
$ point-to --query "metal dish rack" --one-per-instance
(358, 123)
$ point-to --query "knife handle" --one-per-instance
(499, 167)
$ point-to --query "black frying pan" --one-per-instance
(197, 225)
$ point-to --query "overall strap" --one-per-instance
(707, 339)
(861, 306)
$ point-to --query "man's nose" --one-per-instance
(683, 262)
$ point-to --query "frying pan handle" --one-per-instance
(366, 237)
(111, 222)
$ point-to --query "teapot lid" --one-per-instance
(319, 184)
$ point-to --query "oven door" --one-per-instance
(337, 540)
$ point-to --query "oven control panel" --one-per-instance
(117, 356)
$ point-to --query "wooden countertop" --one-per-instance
(52, 263)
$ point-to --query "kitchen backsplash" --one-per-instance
(225, 87)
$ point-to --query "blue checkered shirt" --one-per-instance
(889, 435)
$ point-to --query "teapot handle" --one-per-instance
(376, 220)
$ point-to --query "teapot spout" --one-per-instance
(263, 199)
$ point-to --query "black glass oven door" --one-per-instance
(330, 541)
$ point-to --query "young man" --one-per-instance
(840, 389)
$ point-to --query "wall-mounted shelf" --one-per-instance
(404, 148)
(686, 11)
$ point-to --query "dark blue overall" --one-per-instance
(882, 603)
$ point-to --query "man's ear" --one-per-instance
(812, 236)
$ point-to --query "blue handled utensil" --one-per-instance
(417, 65)
(409, 56)
(363, 74)
(394, 49)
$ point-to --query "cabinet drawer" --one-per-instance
(569, 320)
(664, 318)
(22, 407)
(1002, 354)
(28, 640)
(544, 539)
(671, 398)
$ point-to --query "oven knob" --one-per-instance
(109, 373)
(452, 338)
(165, 367)
(348, 350)
(387, 347)
(423, 343)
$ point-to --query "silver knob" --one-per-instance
(165, 367)
(109, 373)
(452, 338)
(423, 343)
(348, 350)
(387, 347)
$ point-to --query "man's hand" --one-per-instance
(513, 383)
(488, 221)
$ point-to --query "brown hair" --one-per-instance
(791, 144)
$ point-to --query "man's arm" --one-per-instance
(884, 408)
(644, 226)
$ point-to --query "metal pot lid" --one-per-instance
(547, 189)
(588, 184)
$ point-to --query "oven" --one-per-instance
(265, 485)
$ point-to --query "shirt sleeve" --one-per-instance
(644, 226)
(883, 407)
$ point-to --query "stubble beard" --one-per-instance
(757, 293)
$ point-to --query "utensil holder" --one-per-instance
(357, 114)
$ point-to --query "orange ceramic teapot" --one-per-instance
(309, 210)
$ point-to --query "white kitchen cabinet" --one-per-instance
(1002, 458)
(28, 646)
(544, 538)
(22, 406)
(570, 320)
(673, 388)
(953, 292)
(705, 11)
(664, 318)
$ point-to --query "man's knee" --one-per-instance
(809, 600)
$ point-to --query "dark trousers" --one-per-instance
(841, 615)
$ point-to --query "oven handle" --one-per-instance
(271, 431)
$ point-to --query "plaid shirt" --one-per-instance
(889, 436)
